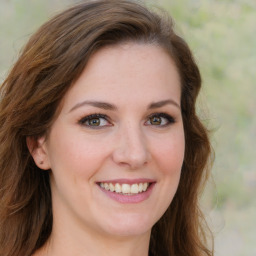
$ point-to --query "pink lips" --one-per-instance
(131, 198)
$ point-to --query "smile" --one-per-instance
(126, 189)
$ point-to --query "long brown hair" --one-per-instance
(51, 61)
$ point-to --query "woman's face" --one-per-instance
(116, 148)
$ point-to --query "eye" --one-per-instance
(160, 119)
(95, 121)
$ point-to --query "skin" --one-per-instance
(127, 144)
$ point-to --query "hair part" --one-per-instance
(50, 63)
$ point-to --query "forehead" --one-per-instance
(130, 70)
(129, 56)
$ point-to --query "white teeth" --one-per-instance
(118, 188)
(106, 186)
(125, 188)
(145, 186)
(140, 187)
(111, 187)
(134, 189)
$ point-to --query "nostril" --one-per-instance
(128, 158)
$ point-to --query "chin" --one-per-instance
(129, 226)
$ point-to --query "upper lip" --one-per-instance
(128, 181)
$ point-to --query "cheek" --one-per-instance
(76, 155)
(169, 154)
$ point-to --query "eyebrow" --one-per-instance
(97, 104)
(108, 106)
(162, 103)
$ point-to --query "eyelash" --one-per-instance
(91, 117)
(170, 119)
(84, 121)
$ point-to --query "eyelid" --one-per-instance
(169, 118)
(83, 120)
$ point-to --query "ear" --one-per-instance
(38, 150)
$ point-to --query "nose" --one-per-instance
(131, 148)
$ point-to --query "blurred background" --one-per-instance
(222, 35)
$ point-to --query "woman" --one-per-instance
(101, 151)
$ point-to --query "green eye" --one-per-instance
(155, 120)
(160, 119)
(94, 122)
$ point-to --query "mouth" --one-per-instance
(127, 191)
(125, 188)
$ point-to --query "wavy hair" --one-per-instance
(52, 60)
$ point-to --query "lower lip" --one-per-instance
(130, 199)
